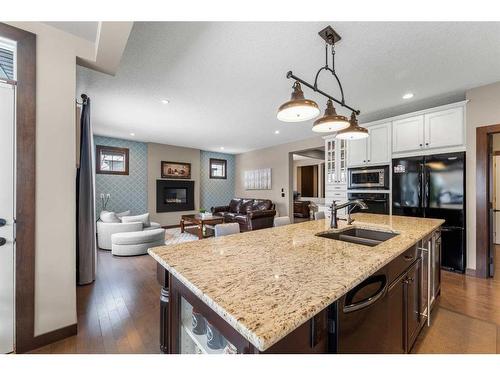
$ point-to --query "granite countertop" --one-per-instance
(268, 282)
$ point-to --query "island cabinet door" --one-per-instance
(414, 318)
(196, 329)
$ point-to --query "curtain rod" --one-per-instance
(84, 99)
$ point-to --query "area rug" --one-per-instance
(174, 236)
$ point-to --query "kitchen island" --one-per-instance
(283, 290)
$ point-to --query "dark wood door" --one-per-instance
(307, 183)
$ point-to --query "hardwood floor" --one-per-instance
(119, 312)
(466, 319)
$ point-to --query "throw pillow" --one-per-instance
(144, 218)
(109, 217)
(119, 215)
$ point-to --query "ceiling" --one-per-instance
(84, 29)
(225, 80)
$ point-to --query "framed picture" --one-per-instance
(171, 169)
(218, 168)
(111, 160)
(258, 179)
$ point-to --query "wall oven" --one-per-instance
(378, 203)
(369, 178)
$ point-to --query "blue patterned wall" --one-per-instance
(216, 192)
(127, 192)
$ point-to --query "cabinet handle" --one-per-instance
(408, 257)
(364, 161)
(427, 143)
(420, 144)
(368, 160)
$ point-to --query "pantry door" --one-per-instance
(7, 232)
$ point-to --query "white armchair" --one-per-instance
(105, 230)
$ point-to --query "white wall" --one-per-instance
(483, 109)
(279, 159)
(55, 290)
(158, 152)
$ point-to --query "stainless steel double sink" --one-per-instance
(367, 237)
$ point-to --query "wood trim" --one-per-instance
(482, 194)
(25, 185)
(171, 226)
(211, 176)
(101, 148)
(53, 336)
(470, 272)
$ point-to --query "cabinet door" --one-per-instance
(379, 148)
(408, 134)
(444, 128)
(356, 152)
(413, 311)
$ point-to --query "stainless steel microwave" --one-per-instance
(369, 178)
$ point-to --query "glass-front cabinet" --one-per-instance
(335, 172)
(336, 161)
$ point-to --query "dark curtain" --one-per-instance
(85, 213)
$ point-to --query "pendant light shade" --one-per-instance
(330, 122)
(354, 131)
(298, 108)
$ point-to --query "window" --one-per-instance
(111, 160)
(7, 59)
(218, 168)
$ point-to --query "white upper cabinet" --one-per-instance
(376, 149)
(356, 152)
(408, 134)
(430, 130)
(444, 128)
(379, 144)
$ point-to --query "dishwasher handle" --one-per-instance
(380, 293)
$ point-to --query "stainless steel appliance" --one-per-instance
(378, 203)
(369, 178)
(434, 186)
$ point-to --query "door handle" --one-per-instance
(3, 241)
(368, 301)
(3, 222)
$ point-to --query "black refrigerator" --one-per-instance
(434, 186)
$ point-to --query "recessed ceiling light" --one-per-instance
(165, 101)
(276, 132)
(222, 148)
(132, 134)
(408, 95)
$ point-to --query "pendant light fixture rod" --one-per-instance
(312, 87)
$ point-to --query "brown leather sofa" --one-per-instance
(250, 214)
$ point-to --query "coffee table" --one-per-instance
(196, 219)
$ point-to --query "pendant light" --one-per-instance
(298, 108)
(354, 131)
(330, 122)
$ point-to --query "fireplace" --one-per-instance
(174, 196)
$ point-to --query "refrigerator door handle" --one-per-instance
(419, 190)
(426, 182)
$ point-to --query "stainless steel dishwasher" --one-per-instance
(377, 315)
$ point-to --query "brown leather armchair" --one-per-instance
(250, 214)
